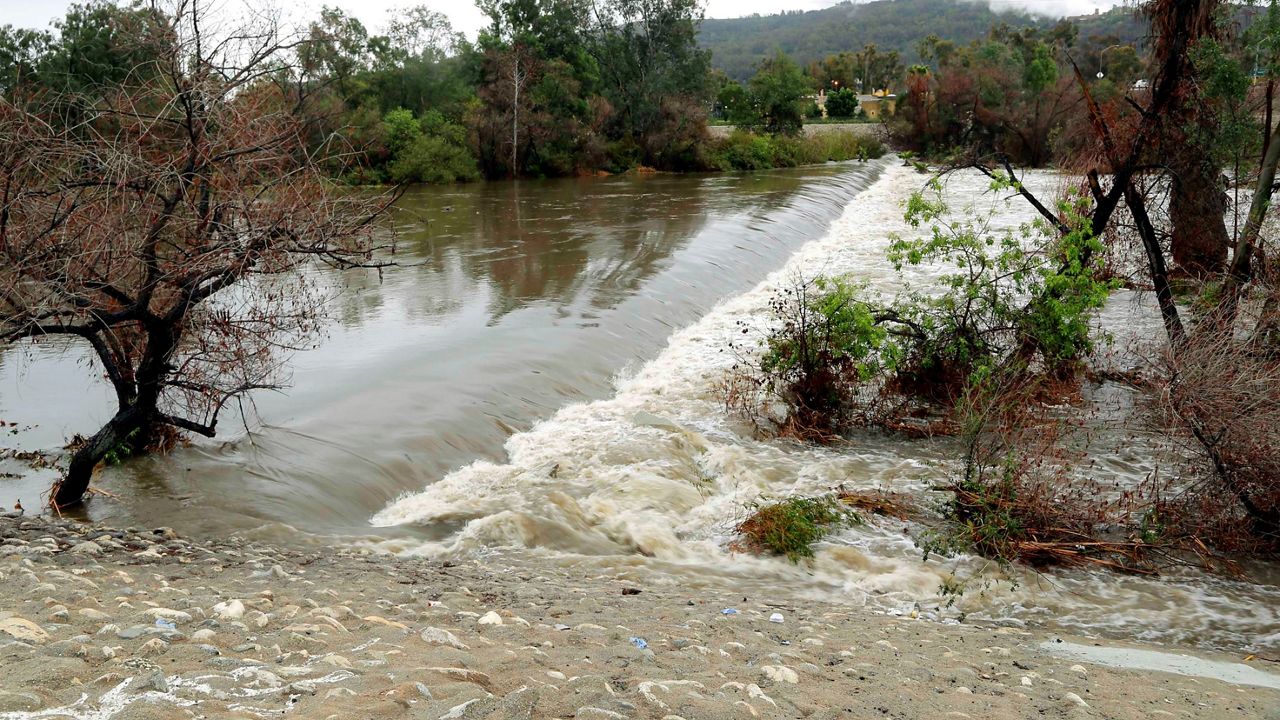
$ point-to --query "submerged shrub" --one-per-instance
(823, 347)
(1009, 304)
(1014, 497)
(791, 527)
(1021, 298)
(1220, 398)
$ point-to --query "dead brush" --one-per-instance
(1019, 497)
(880, 502)
(1217, 395)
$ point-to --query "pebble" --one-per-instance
(230, 610)
(436, 636)
(157, 682)
(22, 629)
(780, 673)
(137, 631)
(379, 620)
(88, 547)
(176, 616)
(1075, 699)
(336, 661)
(14, 702)
(490, 618)
(595, 713)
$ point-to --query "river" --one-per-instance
(540, 376)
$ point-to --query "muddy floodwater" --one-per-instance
(539, 376)
(512, 301)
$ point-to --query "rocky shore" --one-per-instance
(101, 623)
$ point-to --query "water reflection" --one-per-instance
(512, 300)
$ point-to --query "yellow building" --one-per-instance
(877, 104)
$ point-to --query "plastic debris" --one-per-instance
(639, 642)
(776, 618)
(168, 624)
(729, 611)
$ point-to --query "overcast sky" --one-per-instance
(465, 17)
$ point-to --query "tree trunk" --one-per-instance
(1266, 128)
(515, 118)
(1197, 211)
(116, 433)
(1155, 264)
(132, 421)
(1247, 244)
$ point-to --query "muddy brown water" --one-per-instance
(514, 299)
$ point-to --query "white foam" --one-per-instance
(660, 471)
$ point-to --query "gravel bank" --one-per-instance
(99, 623)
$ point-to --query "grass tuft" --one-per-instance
(791, 527)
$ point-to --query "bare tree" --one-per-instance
(518, 75)
(172, 230)
(510, 122)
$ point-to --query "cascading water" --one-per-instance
(649, 483)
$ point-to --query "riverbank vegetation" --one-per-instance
(164, 191)
(1000, 353)
(556, 88)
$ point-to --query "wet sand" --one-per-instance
(107, 623)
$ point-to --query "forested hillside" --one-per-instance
(738, 44)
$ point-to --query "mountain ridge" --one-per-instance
(738, 44)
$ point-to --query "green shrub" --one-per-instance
(835, 357)
(1021, 297)
(624, 154)
(434, 159)
(825, 346)
(744, 150)
(842, 103)
(436, 153)
(400, 129)
(791, 527)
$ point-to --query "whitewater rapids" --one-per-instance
(649, 483)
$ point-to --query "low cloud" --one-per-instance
(1053, 8)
